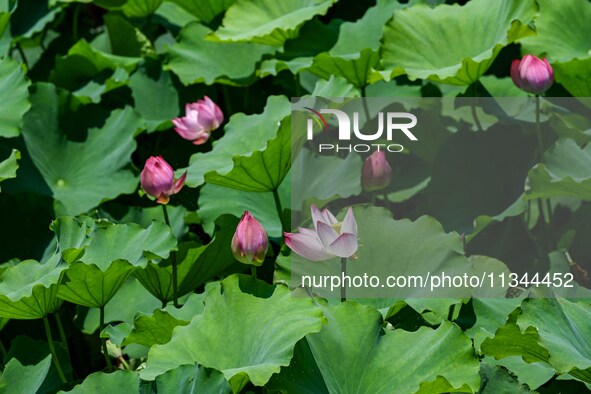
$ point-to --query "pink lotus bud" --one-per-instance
(376, 173)
(200, 119)
(157, 179)
(532, 74)
(250, 242)
(330, 238)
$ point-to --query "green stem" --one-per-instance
(227, 102)
(60, 372)
(2, 350)
(19, 48)
(60, 328)
(175, 299)
(538, 129)
(253, 271)
(474, 114)
(547, 224)
(343, 273)
(104, 340)
(298, 88)
(279, 210)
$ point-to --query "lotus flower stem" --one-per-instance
(2, 350)
(104, 340)
(541, 149)
(279, 210)
(60, 328)
(475, 114)
(175, 299)
(60, 372)
(538, 130)
(253, 271)
(343, 273)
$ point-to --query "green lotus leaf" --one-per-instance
(85, 62)
(191, 379)
(11, 380)
(215, 201)
(510, 340)
(88, 285)
(204, 10)
(562, 34)
(31, 17)
(244, 134)
(260, 171)
(355, 53)
(563, 329)
(197, 60)
(14, 89)
(334, 178)
(153, 329)
(9, 166)
(532, 374)
(196, 264)
(28, 290)
(356, 355)
(278, 321)
(565, 171)
(154, 95)
(141, 8)
(267, 21)
(99, 382)
(94, 276)
(440, 43)
(80, 175)
(129, 300)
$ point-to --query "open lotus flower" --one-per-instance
(200, 119)
(330, 238)
(157, 179)
(532, 74)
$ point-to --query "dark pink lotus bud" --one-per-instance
(250, 242)
(200, 119)
(157, 179)
(376, 173)
(532, 74)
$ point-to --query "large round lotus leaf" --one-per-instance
(14, 96)
(452, 44)
(268, 22)
(261, 332)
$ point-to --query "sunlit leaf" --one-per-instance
(260, 171)
(244, 134)
(205, 10)
(355, 355)
(98, 382)
(440, 43)
(29, 289)
(197, 60)
(9, 166)
(267, 21)
(14, 96)
(278, 320)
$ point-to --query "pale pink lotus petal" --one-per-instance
(344, 246)
(329, 217)
(327, 234)
(307, 245)
(316, 216)
(349, 225)
(179, 183)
